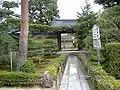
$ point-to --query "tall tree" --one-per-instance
(43, 11)
(109, 22)
(86, 20)
(23, 34)
(8, 24)
(107, 3)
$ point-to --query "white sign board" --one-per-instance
(95, 32)
(97, 44)
(96, 37)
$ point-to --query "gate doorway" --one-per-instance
(68, 41)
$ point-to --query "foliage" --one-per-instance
(43, 11)
(8, 26)
(112, 14)
(112, 59)
(17, 79)
(86, 21)
(28, 67)
(32, 53)
(107, 3)
(37, 28)
(4, 59)
(5, 13)
(98, 76)
(7, 43)
(9, 22)
(109, 30)
(52, 70)
(7, 5)
(32, 45)
(6, 9)
(5, 62)
(57, 65)
(49, 48)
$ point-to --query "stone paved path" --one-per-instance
(73, 77)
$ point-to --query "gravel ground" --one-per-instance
(19, 88)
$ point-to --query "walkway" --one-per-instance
(73, 77)
(70, 51)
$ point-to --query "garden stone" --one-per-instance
(46, 80)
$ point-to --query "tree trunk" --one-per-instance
(23, 34)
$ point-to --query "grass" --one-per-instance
(43, 64)
(85, 71)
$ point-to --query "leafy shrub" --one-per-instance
(57, 63)
(112, 61)
(32, 45)
(17, 79)
(50, 48)
(5, 62)
(35, 53)
(7, 43)
(52, 70)
(4, 59)
(28, 67)
(99, 77)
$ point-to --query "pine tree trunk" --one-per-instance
(23, 34)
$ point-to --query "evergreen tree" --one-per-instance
(23, 41)
(43, 11)
(107, 3)
(8, 25)
(86, 20)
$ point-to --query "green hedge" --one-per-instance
(98, 76)
(112, 61)
(36, 28)
(28, 67)
(17, 79)
(58, 63)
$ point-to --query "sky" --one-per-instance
(68, 8)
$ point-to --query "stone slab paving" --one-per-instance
(73, 77)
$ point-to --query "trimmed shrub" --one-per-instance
(52, 70)
(98, 76)
(17, 79)
(28, 67)
(112, 59)
(35, 53)
(50, 48)
(37, 28)
(58, 63)
(5, 62)
(34, 45)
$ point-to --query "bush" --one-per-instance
(17, 79)
(28, 67)
(35, 53)
(5, 62)
(52, 70)
(112, 59)
(4, 59)
(99, 77)
(50, 48)
(58, 63)
(34, 45)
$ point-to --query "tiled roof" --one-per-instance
(64, 22)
